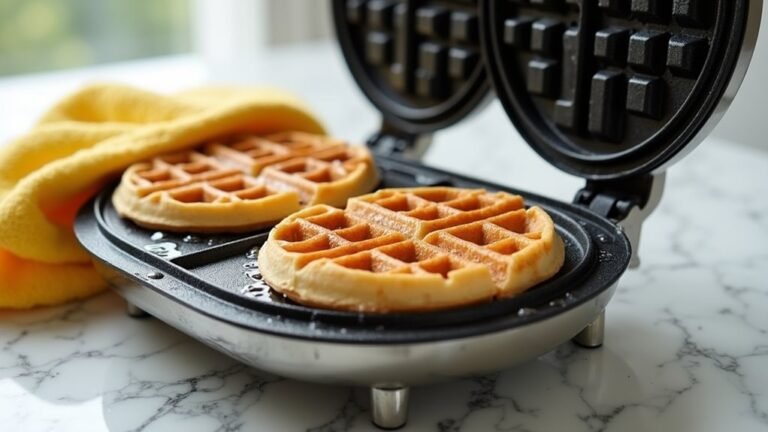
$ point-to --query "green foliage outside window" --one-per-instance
(40, 35)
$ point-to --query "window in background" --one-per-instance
(39, 35)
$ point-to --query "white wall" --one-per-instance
(299, 20)
(231, 35)
(747, 119)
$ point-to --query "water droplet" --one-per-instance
(213, 242)
(604, 256)
(253, 253)
(157, 236)
(251, 265)
(253, 289)
(313, 325)
(266, 295)
(155, 275)
(425, 180)
(165, 250)
(582, 223)
(343, 330)
(254, 274)
(557, 303)
(569, 296)
(269, 320)
(191, 239)
(525, 311)
(602, 238)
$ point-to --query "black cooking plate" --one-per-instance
(218, 275)
(608, 89)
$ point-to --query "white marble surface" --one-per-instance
(687, 334)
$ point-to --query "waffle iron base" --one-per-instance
(196, 285)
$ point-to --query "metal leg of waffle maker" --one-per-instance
(134, 311)
(389, 406)
(592, 335)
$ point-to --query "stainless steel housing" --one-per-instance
(371, 364)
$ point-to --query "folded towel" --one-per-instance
(85, 141)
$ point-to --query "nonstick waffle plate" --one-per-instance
(614, 88)
(219, 275)
(420, 62)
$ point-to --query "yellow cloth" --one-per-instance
(83, 142)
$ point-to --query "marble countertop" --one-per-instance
(686, 345)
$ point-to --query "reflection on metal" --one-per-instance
(593, 334)
(633, 223)
(134, 311)
(389, 406)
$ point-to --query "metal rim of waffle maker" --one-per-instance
(558, 68)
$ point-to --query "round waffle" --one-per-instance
(412, 250)
(242, 184)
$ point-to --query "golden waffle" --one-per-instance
(245, 183)
(412, 250)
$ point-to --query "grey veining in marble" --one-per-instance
(686, 339)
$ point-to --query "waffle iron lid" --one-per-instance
(419, 63)
(602, 89)
(607, 89)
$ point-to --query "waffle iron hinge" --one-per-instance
(626, 201)
(393, 142)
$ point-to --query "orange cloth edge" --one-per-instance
(26, 283)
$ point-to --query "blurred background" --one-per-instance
(44, 35)
(229, 38)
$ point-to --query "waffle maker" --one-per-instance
(613, 91)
